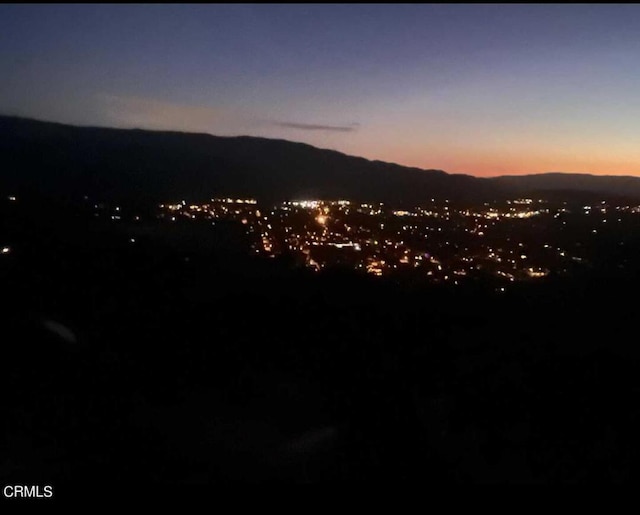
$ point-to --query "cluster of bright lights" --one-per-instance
(381, 253)
(535, 273)
(506, 275)
(236, 201)
(306, 204)
(375, 267)
(523, 214)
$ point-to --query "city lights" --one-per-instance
(437, 242)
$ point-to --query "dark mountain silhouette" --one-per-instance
(51, 157)
(57, 159)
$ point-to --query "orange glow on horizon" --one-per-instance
(485, 166)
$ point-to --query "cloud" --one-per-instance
(313, 127)
(150, 113)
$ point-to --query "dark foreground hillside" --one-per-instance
(207, 366)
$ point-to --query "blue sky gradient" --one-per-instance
(479, 89)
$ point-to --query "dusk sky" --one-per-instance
(479, 89)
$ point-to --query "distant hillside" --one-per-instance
(581, 185)
(62, 159)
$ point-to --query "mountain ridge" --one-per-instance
(60, 159)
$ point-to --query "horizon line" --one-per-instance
(177, 131)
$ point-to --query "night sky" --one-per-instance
(479, 89)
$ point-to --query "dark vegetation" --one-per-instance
(201, 364)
